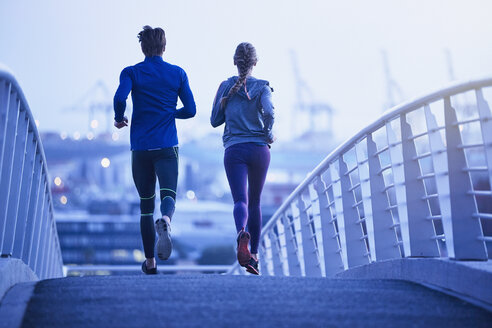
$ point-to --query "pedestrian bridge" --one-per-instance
(393, 228)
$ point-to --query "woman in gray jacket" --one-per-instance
(244, 104)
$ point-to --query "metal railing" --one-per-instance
(27, 227)
(415, 183)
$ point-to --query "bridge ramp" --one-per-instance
(243, 301)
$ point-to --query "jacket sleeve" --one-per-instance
(119, 100)
(218, 114)
(267, 112)
(189, 107)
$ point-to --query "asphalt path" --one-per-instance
(243, 301)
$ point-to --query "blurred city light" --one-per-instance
(37, 123)
(58, 181)
(190, 194)
(94, 124)
(90, 135)
(122, 253)
(63, 200)
(76, 135)
(115, 136)
(138, 255)
(102, 273)
(105, 162)
(63, 135)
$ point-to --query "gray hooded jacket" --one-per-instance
(246, 119)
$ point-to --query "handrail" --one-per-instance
(27, 226)
(353, 224)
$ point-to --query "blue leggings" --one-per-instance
(246, 166)
(146, 166)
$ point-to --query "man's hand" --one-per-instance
(121, 124)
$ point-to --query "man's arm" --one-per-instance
(119, 101)
(189, 107)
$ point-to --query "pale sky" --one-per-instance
(59, 49)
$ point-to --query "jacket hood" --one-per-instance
(253, 85)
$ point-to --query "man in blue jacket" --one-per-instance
(155, 86)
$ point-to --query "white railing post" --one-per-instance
(331, 247)
(396, 159)
(383, 243)
(34, 244)
(420, 231)
(18, 160)
(263, 256)
(282, 246)
(349, 227)
(7, 168)
(34, 200)
(42, 254)
(46, 252)
(25, 198)
(297, 226)
(338, 205)
(52, 269)
(56, 251)
(291, 247)
(59, 258)
(309, 247)
(440, 163)
(464, 228)
(38, 252)
(486, 128)
(276, 253)
(5, 98)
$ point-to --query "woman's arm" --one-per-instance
(189, 107)
(267, 112)
(218, 115)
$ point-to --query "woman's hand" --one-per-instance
(121, 124)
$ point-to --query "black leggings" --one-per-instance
(146, 165)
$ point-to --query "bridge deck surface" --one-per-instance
(243, 301)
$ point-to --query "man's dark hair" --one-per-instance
(152, 40)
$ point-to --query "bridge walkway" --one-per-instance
(243, 301)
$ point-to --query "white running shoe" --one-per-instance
(164, 244)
